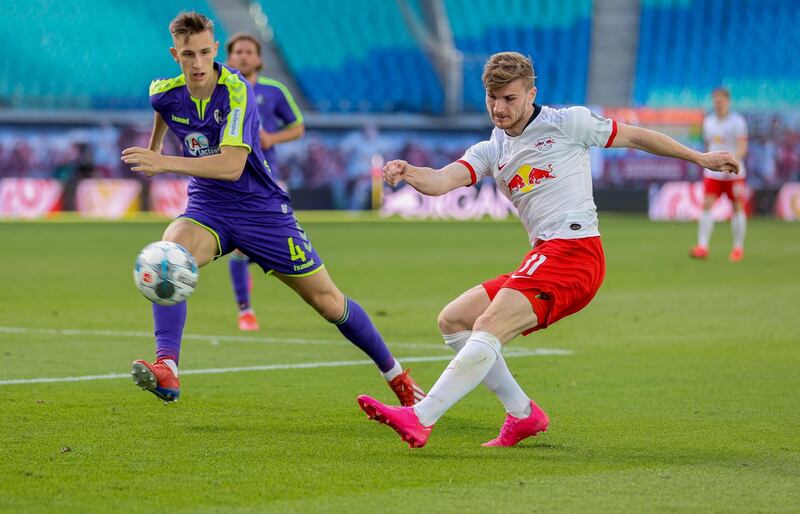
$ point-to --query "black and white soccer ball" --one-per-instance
(165, 273)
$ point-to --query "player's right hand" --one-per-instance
(394, 172)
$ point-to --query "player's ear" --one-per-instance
(532, 95)
(174, 53)
(216, 48)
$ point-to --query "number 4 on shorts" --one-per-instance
(295, 251)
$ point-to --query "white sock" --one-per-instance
(499, 380)
(462, 375)
(396, 370)
(704, 229)
(739, 228)
(171, 365)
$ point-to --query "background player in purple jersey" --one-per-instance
(234, 202)
(281, 121)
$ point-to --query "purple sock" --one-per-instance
(168, 321)
(240, 278)
(356, 326)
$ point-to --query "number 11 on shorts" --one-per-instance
(532, 266)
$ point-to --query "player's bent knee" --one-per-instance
(195, 239)
(330, 305)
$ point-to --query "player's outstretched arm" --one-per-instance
(427, 181)
(226, 165)
(656, 143)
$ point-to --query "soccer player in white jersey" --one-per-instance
(723, 130)
(539, 158)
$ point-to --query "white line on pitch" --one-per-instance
(272, 367)
(200, 337)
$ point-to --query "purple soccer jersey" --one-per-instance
(230, 117)
(253, 213)
(277, 110)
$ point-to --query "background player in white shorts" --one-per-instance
(723, 130)
(539, 158)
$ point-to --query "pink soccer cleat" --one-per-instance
(699, 252)
(407, 391)
(156, 378)
(736, 255)
(515, 430)
(247, 321)
(402, 419)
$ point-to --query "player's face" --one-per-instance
(196, 55)
(510, 106)
(244, 57)
(722, 103)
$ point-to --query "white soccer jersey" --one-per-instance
(722, 135)
(545, 171)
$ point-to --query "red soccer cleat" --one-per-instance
(248, 321)
(407, 391)
(699, 252)
(515, 430)
(156, 378)
(402, 419)
(736, 255)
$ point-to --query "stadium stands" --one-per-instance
(354, 56)
(86, 53)
(376, 65)
(555, 33)
(687, 47)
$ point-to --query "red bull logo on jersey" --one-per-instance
(527, 177)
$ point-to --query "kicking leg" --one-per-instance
(319, 291)
(455, 322)
(508, 315)
(161, 376)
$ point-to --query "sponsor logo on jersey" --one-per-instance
(545, 143)
(178, 119)
(198, 145)
(218, 116)
(527, 177)
(234, 125)
(501, 166)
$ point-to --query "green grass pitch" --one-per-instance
(677, 389)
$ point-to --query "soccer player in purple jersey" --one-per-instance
(234, 202)
(281, 121)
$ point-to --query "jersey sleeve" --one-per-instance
(286, 108)
(241, 125)
(589, 128)
(479, 159)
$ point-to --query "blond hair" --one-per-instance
(189, 23)
(506, 67)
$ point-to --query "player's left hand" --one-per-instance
(144, 160)
(720, 161)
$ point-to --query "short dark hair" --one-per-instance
(189, 23)
(242, 36)
(720, 90)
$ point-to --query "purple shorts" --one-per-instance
(274, 241)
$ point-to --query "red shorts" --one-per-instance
(559, 277)
(733, 189)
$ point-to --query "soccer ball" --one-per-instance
(165, 273)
